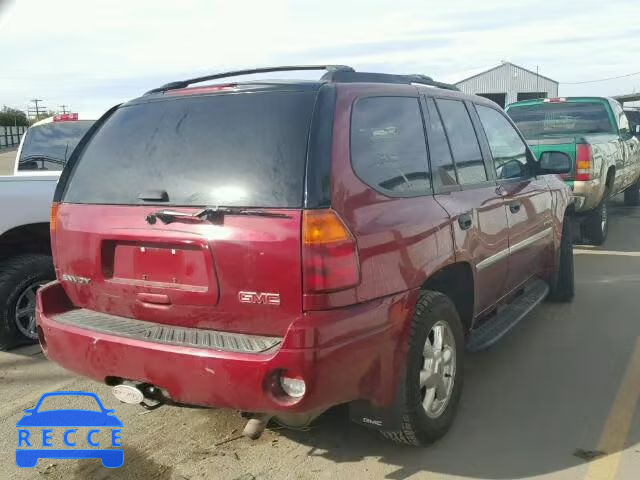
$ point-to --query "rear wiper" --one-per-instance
(209, 214)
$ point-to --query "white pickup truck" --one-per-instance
(25, 199)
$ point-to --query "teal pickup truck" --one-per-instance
(595, 134)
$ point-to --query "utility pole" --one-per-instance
(64, 108)
(36, 100)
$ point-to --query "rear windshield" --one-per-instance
(561, 118)
(48, 146)
(245, 150)
(634, 118)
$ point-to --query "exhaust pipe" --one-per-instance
(128, 394)
(148, 396)
(255, 425)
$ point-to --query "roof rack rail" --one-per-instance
(351, 76)
(286, 68)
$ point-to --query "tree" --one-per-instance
(12, 116)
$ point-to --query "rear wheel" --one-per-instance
(563, 288)
(20, 278)
(596, 225)
(430, 390)
(632, 195)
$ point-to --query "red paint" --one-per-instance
(347, 340)
(334, 351)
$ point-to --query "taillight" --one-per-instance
(65, 117)
(584, 162)
(554, 100)
(329, 253)
(53, 218)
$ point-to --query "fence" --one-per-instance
(10, 136)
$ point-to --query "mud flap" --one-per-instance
(364, 413)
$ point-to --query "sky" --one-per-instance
(91, 55)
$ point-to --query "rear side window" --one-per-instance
(444, 173)
(463, 142)
(508, 150)
(565, 118)
(623, 122)
(244, 150)
(388, 146)
(48, 146)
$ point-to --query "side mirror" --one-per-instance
(554, 162)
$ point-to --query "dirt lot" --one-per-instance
(567, 379)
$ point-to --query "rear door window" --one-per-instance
(245, 150)
(508, 150)
(463, 142)
(388, 145)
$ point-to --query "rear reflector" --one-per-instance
(329, 253)
(584, 162)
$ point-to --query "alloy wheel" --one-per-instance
(25, 313)
(437, 375)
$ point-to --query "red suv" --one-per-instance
(280, 247)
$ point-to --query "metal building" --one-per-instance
(508, 83)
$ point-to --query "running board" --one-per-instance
(493, 329)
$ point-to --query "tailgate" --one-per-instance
(241, 274)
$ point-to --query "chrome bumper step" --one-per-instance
(167, 334)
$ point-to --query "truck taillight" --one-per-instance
(53, 224)
(584, 162)
(65, 117)
(53, 218)
(329, 253)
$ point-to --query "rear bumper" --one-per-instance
(343, 355)
(587, 194)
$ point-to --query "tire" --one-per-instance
(17, 276)
(433, 310)
(632, 195)
(563, 287)
(596, 225)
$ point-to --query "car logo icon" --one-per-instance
(67, 422)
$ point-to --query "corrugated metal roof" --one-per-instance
(502, 65)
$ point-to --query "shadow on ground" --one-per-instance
(136, 466)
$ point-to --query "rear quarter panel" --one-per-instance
(401, 241)
(607, 152)
(25, 200)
